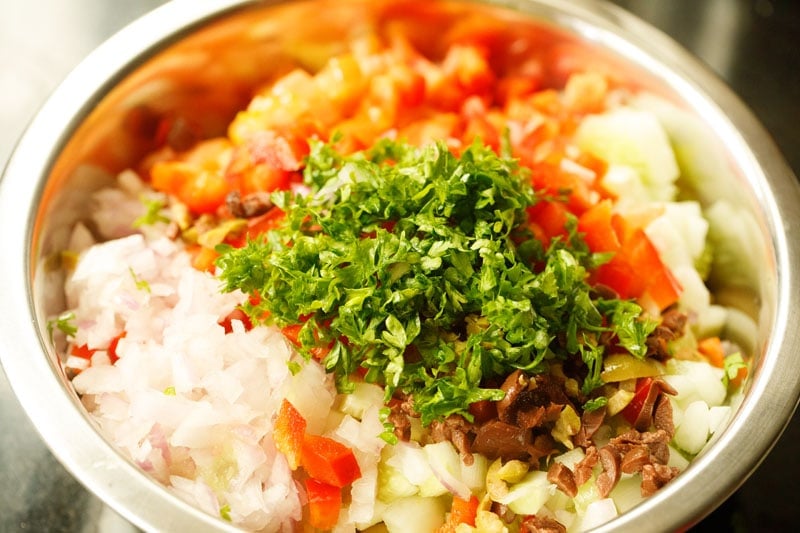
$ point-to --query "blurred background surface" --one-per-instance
(754, 45)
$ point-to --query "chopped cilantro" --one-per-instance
(64, 323)
(595, 403)
(416, 268)
(152, 214)
(141, 284)
(733, 363)
(225, 512)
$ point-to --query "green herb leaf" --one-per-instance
(732, 364)
(152, 214)
(64, 323)
(416, 267)
(141, 284)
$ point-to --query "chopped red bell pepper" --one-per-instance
(112, 347)
(236, 314)
(464, 511)
(324, 503)
(83, 351)
(290, 430)
(329, 461)
(461, 512)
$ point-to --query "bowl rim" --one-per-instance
(77, 444)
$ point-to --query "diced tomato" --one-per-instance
(318, 352)
(464, 72)
(342, 82)
(292, 333)
(468, 66)
(436, 126)
(409, 86)
(659, 283)
(550, 218)
(550, 178)
(515, 87)
(618, 275)
(636, 270)
(663, 288)
(203, 259)
(201, 190)
(270, 220)
(197, 177)
(329, 461)
(290, 430)
(595, 224)
(324, 504)
(479, 124)
(266, 161)
(632, 410)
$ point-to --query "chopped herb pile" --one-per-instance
(414, 268)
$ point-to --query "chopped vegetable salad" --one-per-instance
(405, 293)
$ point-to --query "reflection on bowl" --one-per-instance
(184, 58)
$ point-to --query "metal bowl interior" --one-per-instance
(187, 56)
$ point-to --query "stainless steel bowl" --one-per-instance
(192, 53)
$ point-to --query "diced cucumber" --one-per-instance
(624, 181)
(474, 475)
(677, 459)
(587, 493)
(364, 396)
(679, 233)
(704, 166)
(571, 457)
(633, 138)
(598, 513)
(627, 493)
(737, 242)
(411, 461)
(414, 514)
(530, 494)
(446, 466)
(392, 484)
(718, 417)
(693, 432)
(710, 323)
(695, 380)
(695, 296)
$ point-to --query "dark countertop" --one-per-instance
(754, 45)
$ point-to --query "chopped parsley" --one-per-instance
(141, 284)
(225, 512)
(415, 268)
(152, 214)
(64, 323)
(733, 363)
